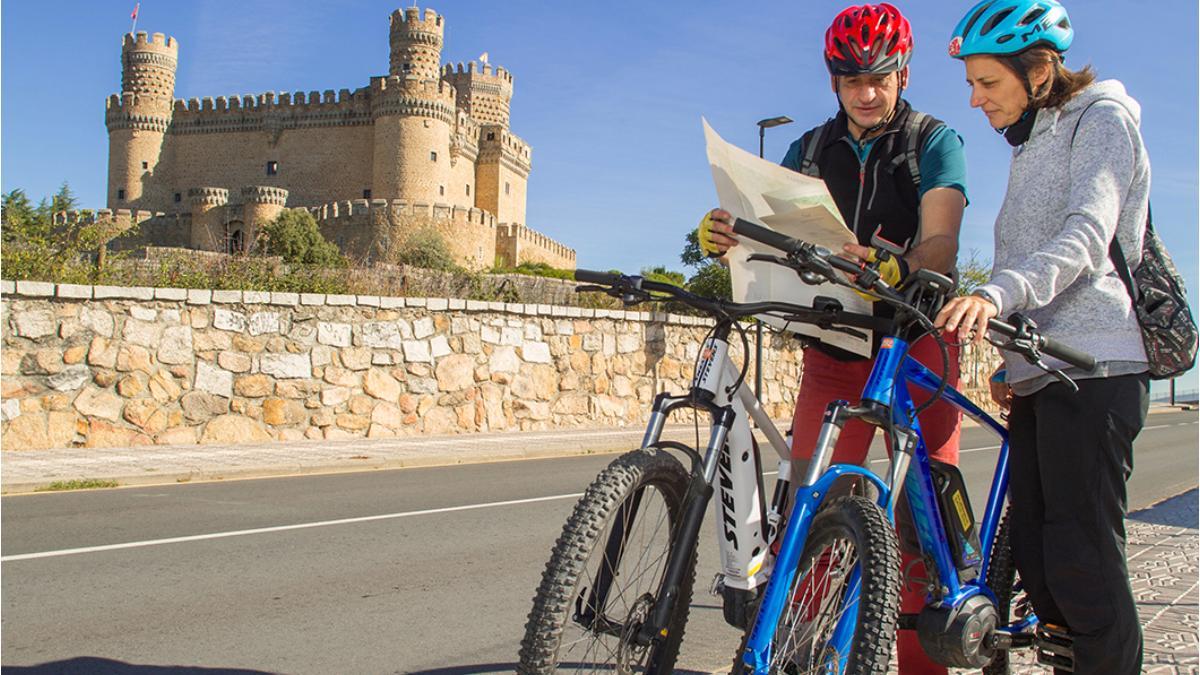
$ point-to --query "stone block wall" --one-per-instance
(106, 366)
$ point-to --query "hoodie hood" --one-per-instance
(1048, 119)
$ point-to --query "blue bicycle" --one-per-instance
(813, 580)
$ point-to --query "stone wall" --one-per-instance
(113, 366)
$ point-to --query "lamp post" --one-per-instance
(763, 125)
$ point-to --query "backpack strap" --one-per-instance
(916, 131)
(808, 165)
(1115, 254)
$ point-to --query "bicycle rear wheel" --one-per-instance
(1011, 602)
(604, 573)
(850, 543)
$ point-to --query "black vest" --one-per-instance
(880, 193)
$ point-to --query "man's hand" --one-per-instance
(969, 311)
(892, 271)
(715, 233)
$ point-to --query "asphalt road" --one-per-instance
(406, 571)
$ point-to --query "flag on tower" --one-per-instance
(133, 15)
(483, 57)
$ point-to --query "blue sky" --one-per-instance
(609, 95)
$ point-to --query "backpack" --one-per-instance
(1159, 300)
(917, 129)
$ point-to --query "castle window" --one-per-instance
(506, 187)
(432, 156)
(272, 168)
(121, 194)
(442, 190)
(145, 165)
(366, 194)
(178, 197)
(491, 135)
(468, 190)
(408, 67)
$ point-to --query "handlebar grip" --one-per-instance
(598, 278)
(766, 236)
(1058, 350)
(1050, 347)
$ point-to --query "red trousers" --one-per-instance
(826, 379)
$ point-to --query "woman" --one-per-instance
(1079, 177)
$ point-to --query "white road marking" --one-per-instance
(364, 519)
(279, 528)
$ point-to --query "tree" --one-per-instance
(425, 247)
(295, 237)
(662, 275)
(712, 280)
(973, 273)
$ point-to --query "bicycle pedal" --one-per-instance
(1055, 647)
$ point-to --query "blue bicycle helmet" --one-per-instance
(1006, 27)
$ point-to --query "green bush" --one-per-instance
(295, 237)
(427, 248)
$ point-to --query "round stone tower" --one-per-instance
(260, 205)
(208, 218)
(416, 43)
(414, 114)
(137, 121)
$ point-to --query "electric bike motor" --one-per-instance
(959, 637)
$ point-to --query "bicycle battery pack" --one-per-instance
(957, 516)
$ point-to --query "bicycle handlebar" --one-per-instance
(813, 258)
(1046, 345)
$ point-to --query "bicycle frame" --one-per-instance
(885, 394)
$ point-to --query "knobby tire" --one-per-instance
(554, 640)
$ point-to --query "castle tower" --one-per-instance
(413, 113)
(502, 174)
(208, 218)
(416, 43)
(483, 92)
(137, 120)
(260, 205)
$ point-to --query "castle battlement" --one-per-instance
(476, 69)
(410, 19)
(396, 209)
(155, 43)
(525, 235)
(264, 194)
(394, 85)
(208, 196)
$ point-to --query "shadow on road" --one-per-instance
(92, 665)
(1178, 511)
(508, 668)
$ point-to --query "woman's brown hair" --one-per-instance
(1063, 83)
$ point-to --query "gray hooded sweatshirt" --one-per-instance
(1064, 204)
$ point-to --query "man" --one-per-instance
(902, 175)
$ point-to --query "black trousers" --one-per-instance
(1070, 456)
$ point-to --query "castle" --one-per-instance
(424, 146)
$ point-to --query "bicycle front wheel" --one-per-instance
(845, 598)
(604, 573)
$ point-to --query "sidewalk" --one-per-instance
(31, 470)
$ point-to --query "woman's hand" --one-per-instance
(969, 311)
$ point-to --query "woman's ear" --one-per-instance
(1039, 75)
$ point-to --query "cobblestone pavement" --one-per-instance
(1163, 547)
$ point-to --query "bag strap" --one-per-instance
(808, 165)
(912, 151)
(1115, 254)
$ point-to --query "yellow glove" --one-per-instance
(704, 236)
(892, 271)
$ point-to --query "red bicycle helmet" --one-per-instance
(871, 39)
